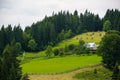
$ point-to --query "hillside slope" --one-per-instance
(87, 37)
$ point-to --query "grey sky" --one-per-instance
(26, 12)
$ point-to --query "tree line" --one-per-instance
(62, 25)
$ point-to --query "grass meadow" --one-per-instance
(59, 65)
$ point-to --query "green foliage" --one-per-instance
(3, 41)
(18, 47)
(71, 47)
(81, 49)
(26, 39)
(109, 49)
(102, 74)
(32, 44)
(8, 34)
(56, 52)
(48, 51)
(61, 51)
(107, 25)
(90, 21)
(61, 35)
(68, 34)
(116, 73)
(18, 34)
(113, 32)
(113, 16)
(81, 42)
(1, 75)
(75, 13)
(24, 77)
(10, 64)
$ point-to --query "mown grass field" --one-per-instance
(59, 65)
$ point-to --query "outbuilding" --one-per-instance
(92, 46)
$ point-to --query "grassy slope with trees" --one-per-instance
(43, 65)
(75, 40)
(87, 37)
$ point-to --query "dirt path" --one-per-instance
(64, 76)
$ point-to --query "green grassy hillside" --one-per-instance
(37, 63)
(61, 64)
(87, 37)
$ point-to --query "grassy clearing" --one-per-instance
(59, 65)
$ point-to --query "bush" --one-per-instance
(66, 49)
(56, 52)
(71, 47)
(61, 51)
(99, 74)
(48, 51)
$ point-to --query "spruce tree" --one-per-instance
(10, 63)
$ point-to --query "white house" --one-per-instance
(92, 46)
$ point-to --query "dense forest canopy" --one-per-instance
(59, 26)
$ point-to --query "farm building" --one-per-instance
(92, 46)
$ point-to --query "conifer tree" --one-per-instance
(10, 64)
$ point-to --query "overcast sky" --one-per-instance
(25, 12)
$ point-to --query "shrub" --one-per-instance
(56, 52)
(71, 47)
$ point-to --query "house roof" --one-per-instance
(90, 44)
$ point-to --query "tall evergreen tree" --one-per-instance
(9, 34)
(3, 40)
(18, 34)
(10, 64)
(113, 16)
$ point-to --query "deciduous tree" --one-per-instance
(32, 44)
(109, 49)
(48, 51)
